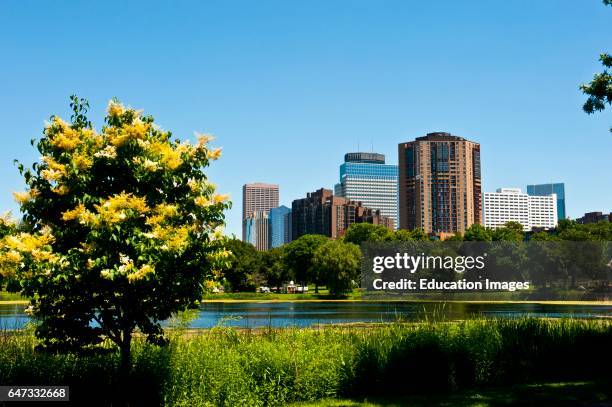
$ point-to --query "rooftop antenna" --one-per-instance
(372, 142)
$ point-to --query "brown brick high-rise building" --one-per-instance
(439, 184)
(322, 213)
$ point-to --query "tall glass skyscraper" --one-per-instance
(549, 189)
(365, 178)
(256, 228)
(279, 222)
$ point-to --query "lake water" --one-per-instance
(303, 314)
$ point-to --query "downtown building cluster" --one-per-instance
(323, 213)
(265, 224)
(436, 187)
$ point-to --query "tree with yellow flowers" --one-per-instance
(121, 229)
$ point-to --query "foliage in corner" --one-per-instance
(599, 90)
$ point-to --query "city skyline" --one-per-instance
(541, 207)
(287, 90)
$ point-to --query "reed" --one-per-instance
(225, 366)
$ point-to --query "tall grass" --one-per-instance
(225, 366)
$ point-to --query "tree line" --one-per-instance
(320, 261)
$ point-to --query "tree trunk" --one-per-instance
(123, 386)
(125, 366)
(316, 288)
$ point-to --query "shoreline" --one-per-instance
(276, 300)
(543, 302)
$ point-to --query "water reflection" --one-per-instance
(303, 314)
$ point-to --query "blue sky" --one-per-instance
(288, 87)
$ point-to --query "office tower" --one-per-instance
(549, 189)
(595, 217)
(312, 215)
(257, 229)
(365, 178)
(512, 205)
(323, 213)
(543, 211)
(439, 184)
(257, 197)
(280, 226)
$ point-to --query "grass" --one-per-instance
(359, 295)
(356, 295)
(322, 295)
(395, 363)
(14, 298)
(596, 393)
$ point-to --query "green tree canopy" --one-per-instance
(358, 233)
(273, 267)
(511, 231)
(123, 228)
(600, 231)
(299, 254)
(244, 265)
(477, 232)
(339, 264)
(543, 237)
(599, 90)
(403, 235)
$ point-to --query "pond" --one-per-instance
(304, 314)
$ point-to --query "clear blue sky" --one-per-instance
(288, 87)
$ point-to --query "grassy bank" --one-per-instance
(557, 394)
(228, 367)
(560, 297)
(358, 295)
(6, 297)
(310, 295)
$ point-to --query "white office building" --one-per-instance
(512, 205)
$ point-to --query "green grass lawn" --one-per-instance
(543, 394)
(355, 295)
(323, 294)
(359, 294)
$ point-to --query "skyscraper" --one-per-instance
(549, 189)
(312, 215)
(257, 197)
(439, 183)
(365, 178)
(512, 205)
(256, 227)
(280, 226)
(322, 213)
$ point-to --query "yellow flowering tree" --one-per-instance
(122, 229)
(8, 258)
